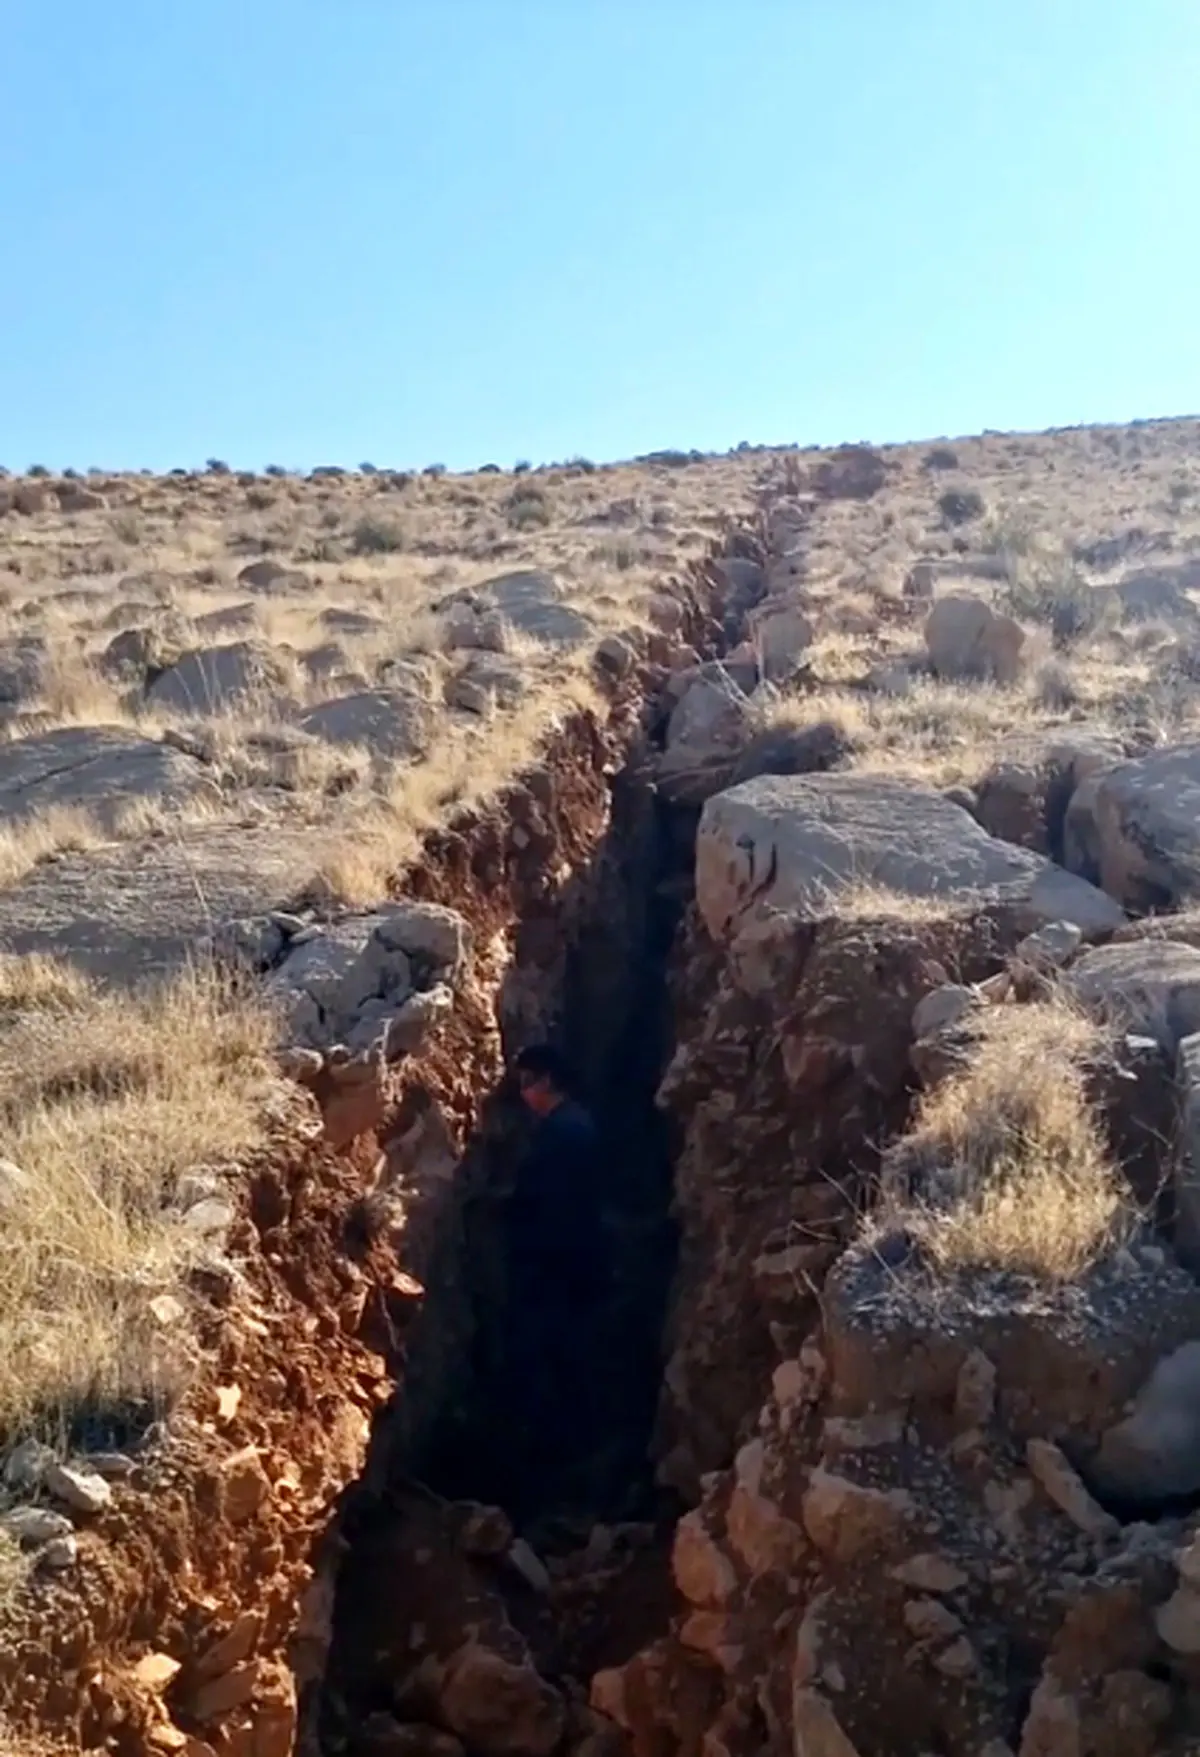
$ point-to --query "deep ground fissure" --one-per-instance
(612, 1022)
(450, 1437)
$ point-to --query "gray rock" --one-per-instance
(1185, 1163)
(393, 723)
(1134, 828)
(532, 602)
(941, 1008)
(27, 1464)
(272, 578)
(1160, 593)
(794, 843)
(33, 1526)
(210, 1218)
(965, 639)
(81, 1490)
(417, 1019)
(255, 941)
(98, 769)
(488, 680)
(782, 636)
(435, 936)
(210, 680)
(1153, 1455)
(60, 1553)
(1051, 948)
(1150, 987)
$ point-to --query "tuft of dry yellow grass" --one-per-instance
(108, 1100)
(1005, 1167)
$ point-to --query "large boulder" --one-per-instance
(100, 770)
(710, 725)
(1149, 987)
(532, 602)
(211, 680)
(782, 636)
(965, 639)
(348, 982)
(794, 843)
(1134, 828)
(391, 722)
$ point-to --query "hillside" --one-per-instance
(838, 807)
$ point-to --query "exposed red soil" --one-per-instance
(198, 1618)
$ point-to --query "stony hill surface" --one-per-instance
(838, 811)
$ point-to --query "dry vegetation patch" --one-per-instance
(113, 1105)
(1005, 1167)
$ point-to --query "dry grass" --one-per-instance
(109, 1101)
(1005, 1167)
(467, 768)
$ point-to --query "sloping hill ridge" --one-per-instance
(834, 811)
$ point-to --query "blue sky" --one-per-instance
(462, 231)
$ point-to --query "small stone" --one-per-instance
(1178, 1621)
(60, 1553)
(703, 1572)
(210, 1217)
(930, 1620)
(942, 1008)
(929, 1573)
(1050, 948)
(846, 1519)
(975, 1392)
(112, 1466)
(27, 1464)
(81, 1490)
(956, 1661)
(154, 1671)
(498, 1708)
(33, 1526)
(529, 1565)
(1062, 1482)
(485, 1531)
(166, 1310)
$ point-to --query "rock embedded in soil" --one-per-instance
(1134, 828)
(99, 770)
(395, 723)
(499, 1708)
(33, 1526)
(80, 1489)
(966, 639)
(797, 843)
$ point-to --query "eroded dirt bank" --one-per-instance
(200, 1616)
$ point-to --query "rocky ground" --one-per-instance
(838, 812)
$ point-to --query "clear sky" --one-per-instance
(462, 231)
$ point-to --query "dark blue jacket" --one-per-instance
(555, 1218)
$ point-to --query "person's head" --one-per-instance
(543, 1078)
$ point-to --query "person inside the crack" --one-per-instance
(559, 1273)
